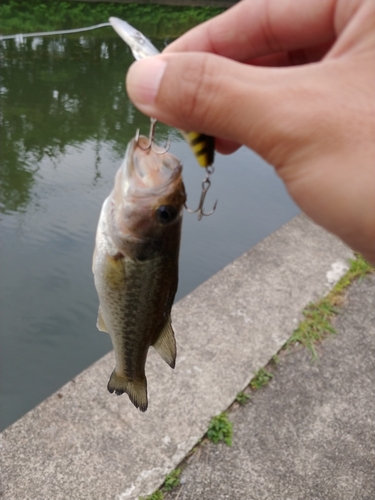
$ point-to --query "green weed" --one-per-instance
(359, 268)
(172, 480)
(317, 322)
(316, 325)
(275, 359)
(261, 379)
(242, 398)
(157, 495)
(220, 429)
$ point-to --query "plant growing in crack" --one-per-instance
(261, 379)
(317, 322)
(172, 480)
(242, 398)
(157, 495)
(220, 428)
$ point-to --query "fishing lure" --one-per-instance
(203, 146)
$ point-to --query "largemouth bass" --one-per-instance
(202, 145)
(135, 264)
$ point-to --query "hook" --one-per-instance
(151, 137)
(205, 187)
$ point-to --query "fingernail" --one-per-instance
(143, 80)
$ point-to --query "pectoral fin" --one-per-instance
(100, 325)
(166, 344)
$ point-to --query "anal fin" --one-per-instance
(166, 344)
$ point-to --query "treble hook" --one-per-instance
(151, 137)
(205, 187)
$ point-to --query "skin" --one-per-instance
(295, 82)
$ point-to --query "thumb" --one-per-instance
(184, 90)
(262, 108)
(190, 91)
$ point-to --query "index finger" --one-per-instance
(255, 28)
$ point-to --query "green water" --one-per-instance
(65, 122)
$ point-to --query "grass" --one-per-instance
(317, 322)
(316, 325)
(359, 268)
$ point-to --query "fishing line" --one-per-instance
(20, 36)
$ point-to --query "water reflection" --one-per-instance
(57, 92)
(65, 122)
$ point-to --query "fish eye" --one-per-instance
(166, 214)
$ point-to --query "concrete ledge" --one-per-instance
(82, 443)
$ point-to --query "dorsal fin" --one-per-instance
(166, 344)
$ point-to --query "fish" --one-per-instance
(135, 264)
(202, 145)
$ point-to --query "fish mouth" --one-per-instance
(149, 172)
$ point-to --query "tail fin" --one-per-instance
(135, 389)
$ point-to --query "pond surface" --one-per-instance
(65, 122)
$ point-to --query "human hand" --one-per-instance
(293, 81)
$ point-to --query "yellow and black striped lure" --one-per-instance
(203, 146)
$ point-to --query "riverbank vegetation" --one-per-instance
(26, 16)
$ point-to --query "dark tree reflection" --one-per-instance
(57, 92)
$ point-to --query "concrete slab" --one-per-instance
(83, 443)
(310, 435)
